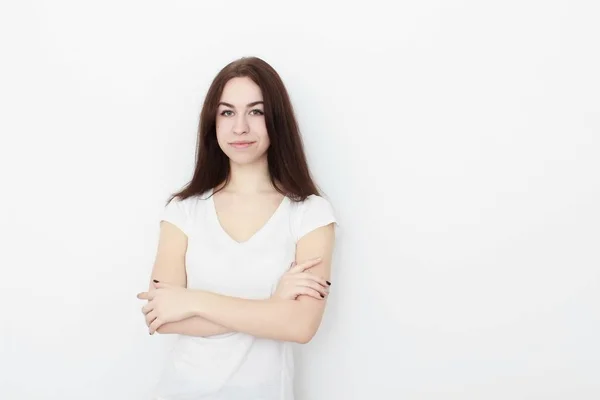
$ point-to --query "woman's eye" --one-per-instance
(256, 111)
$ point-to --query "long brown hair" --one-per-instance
(288, 168)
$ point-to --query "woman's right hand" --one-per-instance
(296, 281)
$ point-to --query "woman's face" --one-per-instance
(241, 129)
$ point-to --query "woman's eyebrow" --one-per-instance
(222, 103)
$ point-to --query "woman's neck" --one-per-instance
(250, 178)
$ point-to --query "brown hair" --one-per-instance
(288, 168)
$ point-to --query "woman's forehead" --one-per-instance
(241, 91)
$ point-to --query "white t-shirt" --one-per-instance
(236, 366)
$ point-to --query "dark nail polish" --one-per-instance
(329, 283)
(322, 295)
(155, 281)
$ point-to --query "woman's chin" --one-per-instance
(246, 159)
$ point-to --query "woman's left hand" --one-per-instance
(166, 303)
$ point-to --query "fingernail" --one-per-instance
(329, 283)
(155, 281)
(322, 295)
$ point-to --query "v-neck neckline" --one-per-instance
(261, 230)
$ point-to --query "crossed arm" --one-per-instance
(194, 326)
(289, 320)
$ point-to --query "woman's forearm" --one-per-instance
(286, 320)
(194, 326)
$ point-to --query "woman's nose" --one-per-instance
(241, 125)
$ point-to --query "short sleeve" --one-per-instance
(176, 213)
(315, 212)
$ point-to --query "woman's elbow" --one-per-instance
(304, 338)
(304, 321)
(304, 333)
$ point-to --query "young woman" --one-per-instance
(244, 257)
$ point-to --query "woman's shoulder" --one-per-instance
(184, 212)
(313, 201)
(189, 205)
(189, 201)
(313, 212)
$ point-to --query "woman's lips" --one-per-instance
(241, 145)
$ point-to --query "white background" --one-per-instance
(458, 140)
